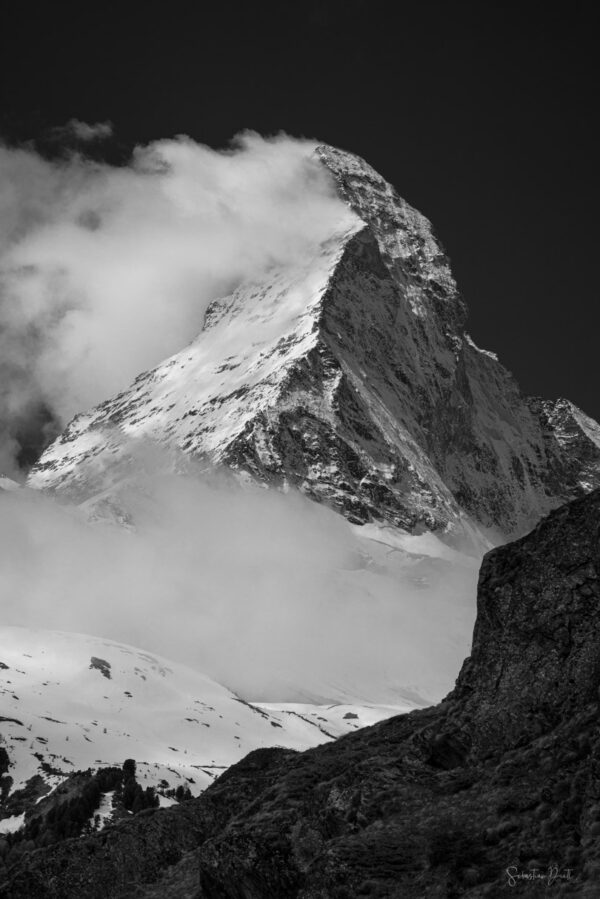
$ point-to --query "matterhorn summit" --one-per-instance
(350, 377)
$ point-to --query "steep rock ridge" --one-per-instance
(350, 377)
(494, 790)
(576, 433)
(407, 243)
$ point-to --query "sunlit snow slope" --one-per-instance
(70, 702)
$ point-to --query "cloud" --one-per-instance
(82, 131)
(106, 271)
(270, 594)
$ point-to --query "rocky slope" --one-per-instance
(350, 377)
(495, 790)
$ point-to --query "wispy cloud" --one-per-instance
(83, 131)
(105, 271)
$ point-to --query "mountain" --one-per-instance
(71, 702)
(494, 789)
(350, 377)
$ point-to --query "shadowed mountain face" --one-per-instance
(499, 780)
(349, 376)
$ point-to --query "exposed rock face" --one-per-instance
(500, 779)
(535, 659)
(349, 376)
(577, 434)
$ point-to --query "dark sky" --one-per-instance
(481, 116)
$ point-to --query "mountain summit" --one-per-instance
(350, 377)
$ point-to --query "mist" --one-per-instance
(106, 271)
(272, 595)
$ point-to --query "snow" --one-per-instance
(103, 814)
(180, 726)
(474, 346)
(426, 544)
(337, 719)
(231, 372)
(12, 824)
(8, 483)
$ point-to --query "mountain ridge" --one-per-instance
(348, 376)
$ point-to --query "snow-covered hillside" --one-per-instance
(69, 702)
(350, 376)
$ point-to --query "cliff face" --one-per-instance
(535, 659)
(350, 377)
(504, 774)
(497, 787)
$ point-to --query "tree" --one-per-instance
(138, 801)
(130, 789)
(129, 769)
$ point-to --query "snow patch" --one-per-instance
(12, 824)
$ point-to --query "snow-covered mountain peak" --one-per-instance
(348, 375)
(405, 237)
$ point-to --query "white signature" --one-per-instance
(550, 875)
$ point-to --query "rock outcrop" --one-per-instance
(350, 377)
(497, 787)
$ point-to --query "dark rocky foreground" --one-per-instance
(494, 792)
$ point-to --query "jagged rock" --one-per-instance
(349, 376)
(500, 780)
(577, 434)
(102, 666)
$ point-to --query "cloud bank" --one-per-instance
(106, 271)
(270, 594)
